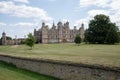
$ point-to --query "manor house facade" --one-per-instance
(58, 34)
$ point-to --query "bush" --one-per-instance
(77, 39)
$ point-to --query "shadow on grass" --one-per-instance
(83, 43)
(29, 49)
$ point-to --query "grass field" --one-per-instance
(10, 72)
(106, 55)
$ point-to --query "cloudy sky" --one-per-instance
(19, 17)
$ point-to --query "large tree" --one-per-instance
(113, 35)
(30, 41)
(100, 29)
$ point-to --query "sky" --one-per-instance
(19, 17)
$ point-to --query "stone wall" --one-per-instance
(64, 70)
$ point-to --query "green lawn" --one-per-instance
(10, 72)
(106, 55)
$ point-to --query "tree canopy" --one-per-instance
(30, 41)
(8, 38)
(101, 30)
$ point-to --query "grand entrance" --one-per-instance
(64, 40)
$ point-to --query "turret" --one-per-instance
(34, 32)
(82, 26)
(66, 24)
(59, 24)
(44, 33)
(3, 38)
(16, 40)
(53, 26)
(74, 27)
(60, 29)
(43, 24)
(82, 31)
(3, 34)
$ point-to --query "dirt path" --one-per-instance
(14, 46)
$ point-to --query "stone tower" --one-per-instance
(44, 33)
(3, 38)
(60, 26)
(16, 41)
(82, 31)
(66, 32)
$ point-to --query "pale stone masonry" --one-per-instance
(11, 42)
(64, 70)
(58, 34)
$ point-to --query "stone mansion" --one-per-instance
(58, 34)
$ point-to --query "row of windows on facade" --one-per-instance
(55, 36)
(64, 32)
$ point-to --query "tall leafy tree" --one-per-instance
(119, 35)
(8, 38)
(113, 35)
(77, 39)
(99, 30)
(30, 41)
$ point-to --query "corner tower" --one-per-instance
(44, 30)
(82, 31)
(3, 38)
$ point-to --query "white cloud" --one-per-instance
(23, 24)
(94, 12)
(107, 7)
(2, 24)
(90, 16)
(116, 18)
(23, 11)
(115, 4)
(20, 29)
(84, 21)
(22, 1)
(100, 3)
(6, 7)
(65, 20)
